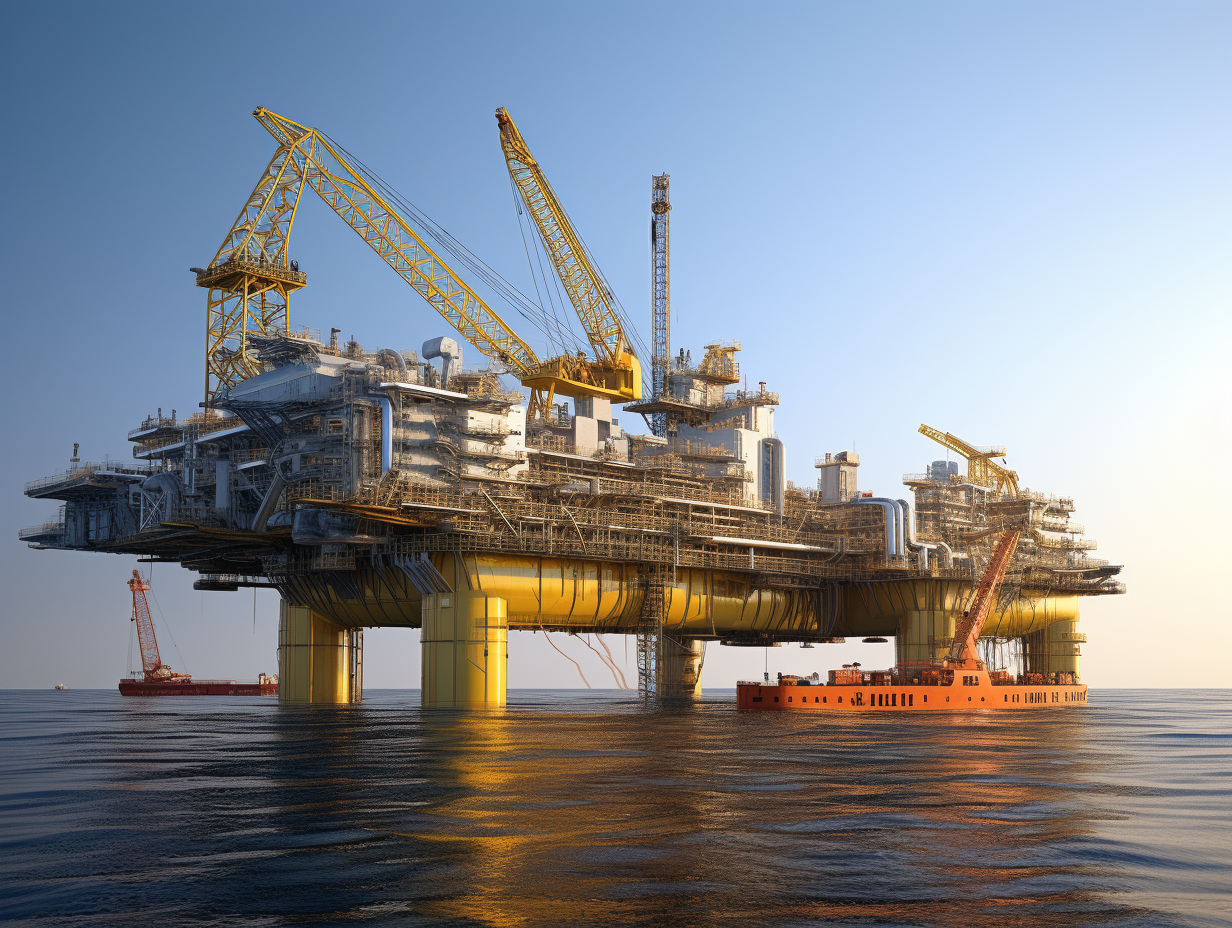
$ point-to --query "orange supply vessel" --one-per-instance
(959, 681)
(936, 690)
(157, 679)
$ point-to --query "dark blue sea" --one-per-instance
(582, 808)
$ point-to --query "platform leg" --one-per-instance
(1064, 648)
(465, 647)
(924, 636)
(680, 667)
(318, 661)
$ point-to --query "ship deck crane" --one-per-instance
(967, 633)
(981, 469)
(151, 661)
(615, 373)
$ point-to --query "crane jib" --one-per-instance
(346, 189)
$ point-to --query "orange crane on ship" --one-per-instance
(160, 680)
(151, 662)
(967, 633)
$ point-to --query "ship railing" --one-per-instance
(87, 469)
(35, 531)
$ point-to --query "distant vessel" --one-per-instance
(958, 681)
(157, 679)
(61, 686)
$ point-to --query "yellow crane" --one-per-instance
(981, 469)
(615, 373)
(251, 278)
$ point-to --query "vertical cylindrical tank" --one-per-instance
(387, 433)
(222, 484)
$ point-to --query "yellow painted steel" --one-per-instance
(553, 592)
(1026, 616)
(465, 646)
(257, 301)
(315, 658)
(925, 635)
(1064, 647)
(1056, 647)
(878, 608)
(250, 279)
(585, 594)
(981, 469)
(350, 192)
(616, 369)
(681, 672)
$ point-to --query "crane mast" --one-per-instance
(250, 279)
(151, 662)
(254, 256)
(967, 634)
(981, 469)
(660, 294)
(615, 373)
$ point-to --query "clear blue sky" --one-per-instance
(1008, 221)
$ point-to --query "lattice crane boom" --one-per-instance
(660, 294)
(151, 662)
(251, 277)
(967, 633)
(348, 190)
(616, 367)
(981, 469)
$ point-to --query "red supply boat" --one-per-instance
(157, 679)
(958, 682)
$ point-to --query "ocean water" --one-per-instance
(582, 808)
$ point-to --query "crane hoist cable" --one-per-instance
(604, 320)
(251, 277)
(524, 305)
(567, 340)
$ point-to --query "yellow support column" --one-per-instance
(680, 671)
(318, 661)
(1065, 648)
(465, 647)
(924, 636)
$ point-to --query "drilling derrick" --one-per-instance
(660, 294)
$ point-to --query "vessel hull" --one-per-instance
(197, 688)
(766, 697)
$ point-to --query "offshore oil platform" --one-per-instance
(398, 487)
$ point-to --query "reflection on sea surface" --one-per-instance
(582, 808)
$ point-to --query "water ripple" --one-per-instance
(583, 809)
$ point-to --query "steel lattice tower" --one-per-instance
(660, 293)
